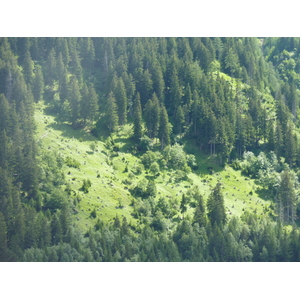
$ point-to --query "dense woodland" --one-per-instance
(237, 99)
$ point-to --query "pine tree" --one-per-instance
(183, 204)
(38, 85)
(3, 239)
(89, 104)
(179, 119)
(175, 92)
(75, 101)
(152, 114)
(286, 198)
(28, 68)
(50, 74)
(145, 88)
(164, 128)
(216, 207)
(63, 86)
(200, 213)
(60, 67)
(158, 81)
(112, 115)
(137, 123)
(121, 98)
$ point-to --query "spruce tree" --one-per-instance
(3, 239)
(286, 198)
(215, 206)
(28, 68)
(50, 75)
(112, 115)
(200, 213)
(75, 101)
(137, 123)
(63, 86)
(38, 85)
(164, 128)
(121, 98)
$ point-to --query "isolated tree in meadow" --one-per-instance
(200, 212)
(215, 206)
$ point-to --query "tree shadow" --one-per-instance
(265, 194)
(68, 132)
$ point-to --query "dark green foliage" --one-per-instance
(215, 207)
(93, 214)
(86, 185)
(75, 101)
(188, 91)
(72, 162)
(121, 100)
(112, 116)
(164, 128)
(137, 123)
(38, 85)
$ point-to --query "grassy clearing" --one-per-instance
(109, 193)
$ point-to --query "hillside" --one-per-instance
(149, 149)
(108, 190)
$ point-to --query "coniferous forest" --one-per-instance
(149, 149)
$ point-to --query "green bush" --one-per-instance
(86, 185)
(71, 162)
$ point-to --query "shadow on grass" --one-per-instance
(265, 195)
(68, 132)
(207, 164)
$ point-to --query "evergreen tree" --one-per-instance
(215, 206)
(137, 123)
(286, 198)
(183, 204)
(164, 128)
(152, 112)
(3, 239)
(63, 87)
(179, 120)
(28, 68)
(121, 98)
(38, 85)
(200, 213)
(145, 88)
(112, 115)
(75, 101)
(50, 74)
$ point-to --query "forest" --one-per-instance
(174, 149)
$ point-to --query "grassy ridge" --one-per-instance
(109, 196)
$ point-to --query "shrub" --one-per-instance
(86, 185)
(93, 214)
(149, 158)
(71, 162)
